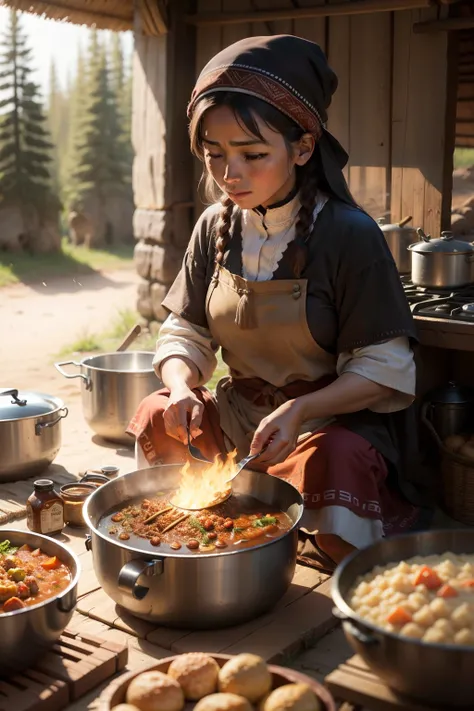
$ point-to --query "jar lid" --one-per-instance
(43, 485)
(76, 491)
(16, 404)
(452, 393)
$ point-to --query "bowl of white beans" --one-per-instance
(407, 605)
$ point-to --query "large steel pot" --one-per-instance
(113, 385)
(181, 589)
(441, 263)
(30, 432)
(439, 674)
(26, 633)
(399, 237)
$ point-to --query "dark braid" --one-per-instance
(223, 228)
(308, 193)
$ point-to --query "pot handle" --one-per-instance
(428, 424)
(59, 367)
(130, 572)
(15, 399)
(363, 638)
(40, 426)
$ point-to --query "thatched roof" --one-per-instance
(115, 15)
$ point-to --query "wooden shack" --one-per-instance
(399, 109)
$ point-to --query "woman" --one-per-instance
(295, 283)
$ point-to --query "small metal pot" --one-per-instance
(438, 674)
(449, 409)
(113, 386)
(181, 589)
(26, 633)
(441, 263)
(30, 432)
(399, 237)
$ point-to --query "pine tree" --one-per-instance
(24, 140)
(121, 86)
(99, 168)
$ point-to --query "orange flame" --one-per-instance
(199, 487)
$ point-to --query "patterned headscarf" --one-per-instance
(291, 74)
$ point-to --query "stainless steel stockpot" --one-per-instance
(113, 385)
(182, 589)
(441, 263)
(439, 674)
(30, 432)
(25, 634)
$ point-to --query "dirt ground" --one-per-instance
(39, 320)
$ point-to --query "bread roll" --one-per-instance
(223, 702)
(246, 675)
(455, 442)
(196, 673)
(292, 697)
(155, 691)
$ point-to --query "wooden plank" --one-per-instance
(307, 619)
(71, 668)
(370, 95)
(312, 28)
(418, 147)
(339, 56)
(353, 682)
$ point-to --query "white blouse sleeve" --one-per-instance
(178, 337)
(391, 364)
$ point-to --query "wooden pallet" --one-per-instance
(355, 684)
(303, 615)
(75, 664)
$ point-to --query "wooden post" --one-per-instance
(164, 72)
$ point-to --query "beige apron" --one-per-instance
(279, 349)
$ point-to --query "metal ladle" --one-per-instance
(196, 453)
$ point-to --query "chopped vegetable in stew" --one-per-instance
(29, 576)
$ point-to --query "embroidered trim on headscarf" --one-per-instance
(262, 85)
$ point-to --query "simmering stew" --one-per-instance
(29, 576)
(240, 522)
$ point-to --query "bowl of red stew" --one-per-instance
(38, 591)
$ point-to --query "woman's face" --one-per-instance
(249, 171)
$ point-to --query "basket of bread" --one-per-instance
(457, 470)
(215, 682)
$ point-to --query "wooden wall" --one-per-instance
(465, 91)
(389, 111)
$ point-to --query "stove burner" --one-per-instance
(440, 303)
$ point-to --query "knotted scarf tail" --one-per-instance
(244, 316)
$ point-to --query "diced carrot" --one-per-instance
(428, 577)
(13, 603)
(399, 616)
(447, 590)
(468, 583)
(50, 563)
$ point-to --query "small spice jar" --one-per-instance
(73, 496)
(96, 479)
(45, 509)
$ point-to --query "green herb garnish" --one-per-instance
(194, 522)
(264, 521)
(7, 549)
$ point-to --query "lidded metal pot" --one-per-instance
(399, 236)
(441, 263)
(449, 409)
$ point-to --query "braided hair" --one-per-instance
(223, 227)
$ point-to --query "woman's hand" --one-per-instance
(281, 428)
(183, 406)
